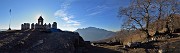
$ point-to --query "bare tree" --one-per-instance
(140, 13)
(167, 9)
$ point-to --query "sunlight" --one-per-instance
(37, 16)
(90, 26)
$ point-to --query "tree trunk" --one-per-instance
(147, 34)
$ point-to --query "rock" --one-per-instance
(38, 41)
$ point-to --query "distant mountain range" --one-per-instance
(94, 34)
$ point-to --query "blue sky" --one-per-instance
(69, 14)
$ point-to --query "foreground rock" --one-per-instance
(40, 41)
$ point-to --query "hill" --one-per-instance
(162, 43)
(94, 34)
(32, 41)
(128, 36)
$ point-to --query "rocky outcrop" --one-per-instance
(40, 41)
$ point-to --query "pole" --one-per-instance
(10, 20)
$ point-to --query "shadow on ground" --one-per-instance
(95, 49)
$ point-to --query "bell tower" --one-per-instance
(40, 20)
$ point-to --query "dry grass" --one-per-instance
(138, 36)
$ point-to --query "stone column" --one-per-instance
(54, 25)
(49, 26)
(22, 26)
(32, 26)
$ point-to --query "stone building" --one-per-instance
(38, 26)
(25, 26)
(40, 21)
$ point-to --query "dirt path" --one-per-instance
(167, 45)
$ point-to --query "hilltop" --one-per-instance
(24, 41)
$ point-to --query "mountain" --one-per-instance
(94, 34)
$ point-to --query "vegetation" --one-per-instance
(140, 14)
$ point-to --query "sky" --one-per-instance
(69, 14)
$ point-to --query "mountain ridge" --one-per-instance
(94, 34)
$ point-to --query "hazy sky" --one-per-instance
(69, 14)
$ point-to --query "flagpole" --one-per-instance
(10, 20)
